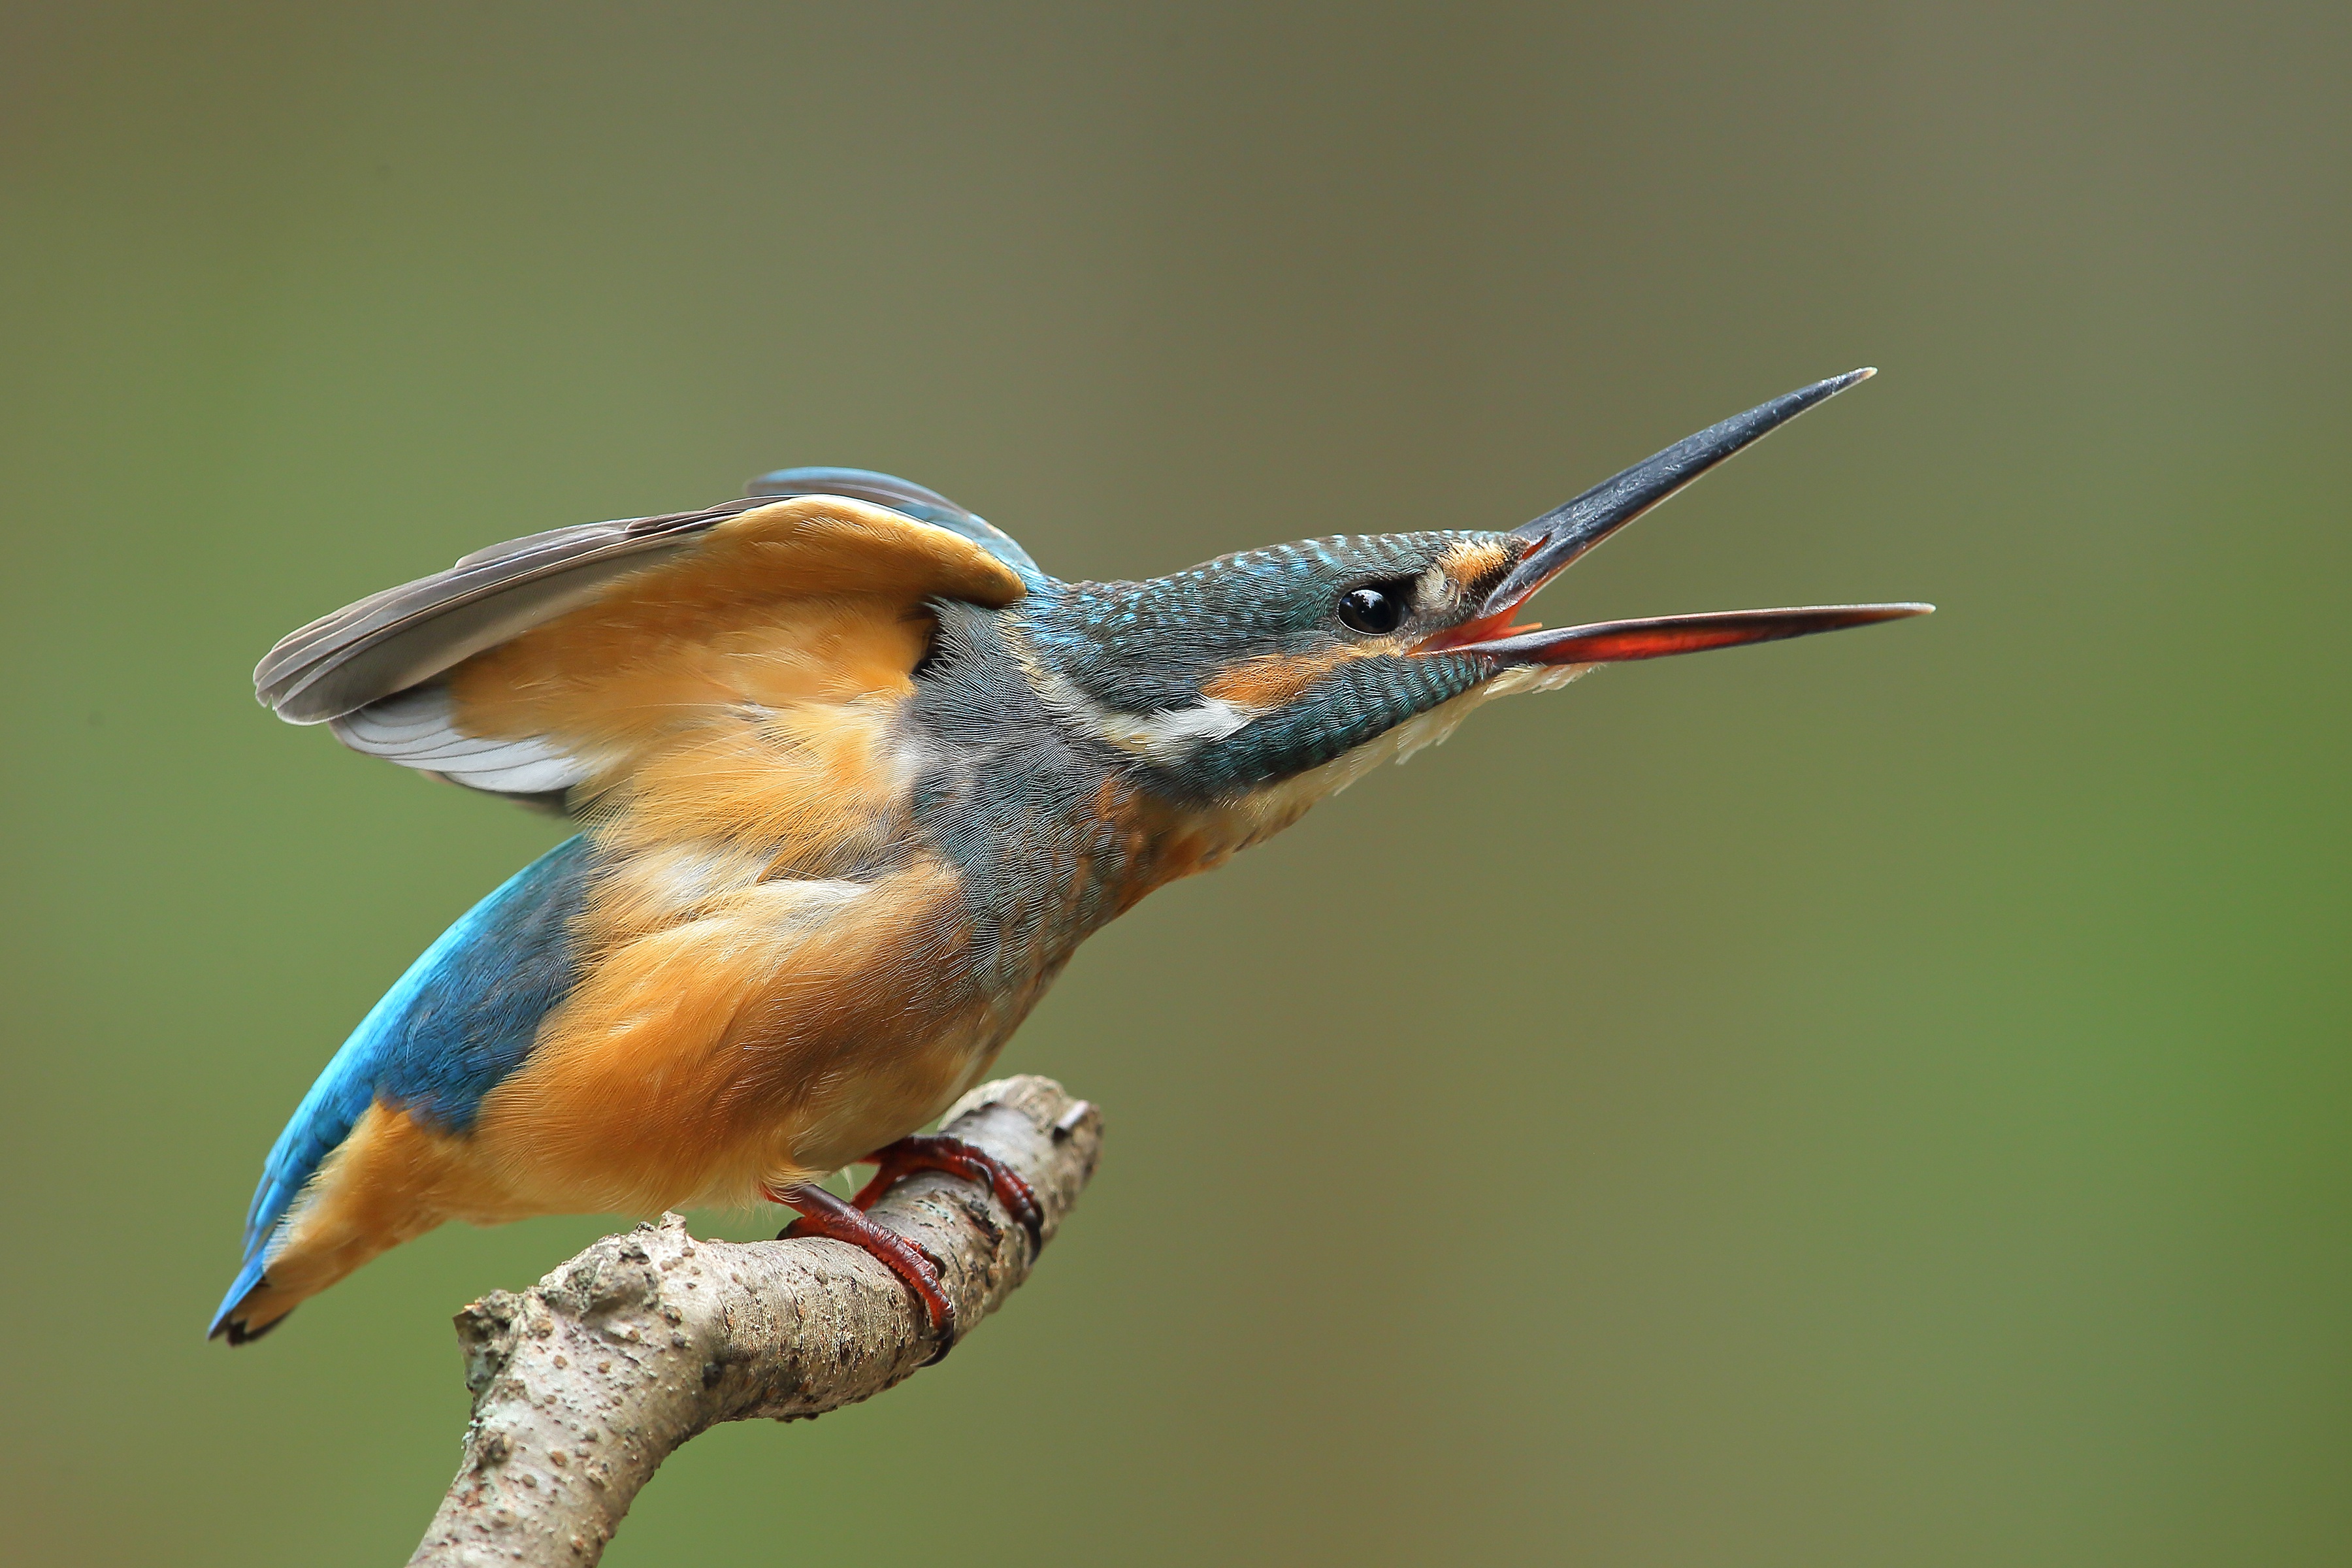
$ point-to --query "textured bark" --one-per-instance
(584, 1383)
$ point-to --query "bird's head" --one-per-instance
(1293, 668)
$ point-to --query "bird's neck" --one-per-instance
(1046, 794)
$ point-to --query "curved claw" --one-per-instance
(825, 1215)
(954, 1157)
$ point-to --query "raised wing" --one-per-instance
(898, 495)
(570, 657)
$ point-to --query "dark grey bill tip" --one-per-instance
(1568, 530)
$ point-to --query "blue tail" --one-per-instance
(460, 1020)
(246, 1278)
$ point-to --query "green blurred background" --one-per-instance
(1882, 1100)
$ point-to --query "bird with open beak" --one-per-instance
(853, 778)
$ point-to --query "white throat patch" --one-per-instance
(1167, 736)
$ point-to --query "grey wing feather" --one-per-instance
(415, 729)
(391, 641)
(368, 670)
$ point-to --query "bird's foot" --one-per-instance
(824, 1215)
(937, 1151)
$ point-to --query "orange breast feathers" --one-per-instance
(746, 1014)
(788, 1028)
(781, 1031)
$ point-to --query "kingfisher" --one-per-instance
(853, 778)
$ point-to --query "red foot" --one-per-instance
(824, 1215)
(937, 1151)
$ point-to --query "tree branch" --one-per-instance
(584, 1383)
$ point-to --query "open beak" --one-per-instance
(1563, 535)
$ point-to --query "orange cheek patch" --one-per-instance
(1276, 678)
(1473, 560)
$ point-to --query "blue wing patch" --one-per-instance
(461, 1019)
(903, 496)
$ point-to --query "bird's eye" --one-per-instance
(1372, 609)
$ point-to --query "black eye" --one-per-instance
(1371, 609)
